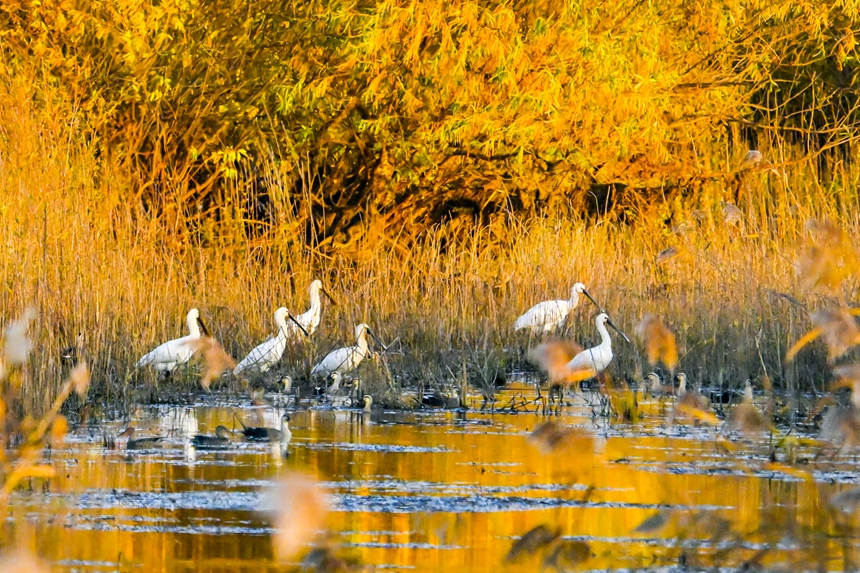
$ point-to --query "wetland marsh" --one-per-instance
(432, 490)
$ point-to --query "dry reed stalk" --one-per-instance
(91, 260)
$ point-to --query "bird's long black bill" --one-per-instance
(328, 296)
(615, 328)
(384, 346)
(591, 298)
(299, 324)
(202, 326)
(244, 427)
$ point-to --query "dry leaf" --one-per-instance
(696, 413)
(324, 560)
(667, 255)
(568, 554)
(846, 501)
(654, 523)
(839, 329)
(532, 542)
(215, 359)
(751, 159)
(747, 418)
(551, 436)
(59, 429)
(18, 345)
(80, 379)
(300, 508)
(553, 357)
(731, 214)
(840, 425)
(804, 340)
(849, 377)
(788, 470)
(22, 562)
(659, 341)
(826, 258)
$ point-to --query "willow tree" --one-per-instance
(398, 115)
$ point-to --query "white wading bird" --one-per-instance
(548, 315)
(310, 320)
(269, 352)
(172, 353)
(343, 360)
(598, 358)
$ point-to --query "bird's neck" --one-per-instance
(361, 342)
(315, 299)
(605, 340)
(193, 328)
(282, 327)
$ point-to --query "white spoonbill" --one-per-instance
(269, 352)
(598, 358)
(310, 319)
(343, 360)
(172, 353)
(548, 315)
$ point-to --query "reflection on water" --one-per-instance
(425, 491)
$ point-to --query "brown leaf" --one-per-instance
(731, 214)
(746, 417)
(659, 341)
(553, 357)
(667, 255)
(18, 345)
(846, 501)
(826, 258)
(568, 554)
(300, 507)
(324, 560)
(839, 329)
(840, 425)
(849, 377)
(22, 562)
(532, 542)
(551, 436)
(654, 522)
(59, 429)
(80, 378)
(215, 359)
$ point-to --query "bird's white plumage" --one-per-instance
(599, 357)
(343, 360)
(549, 315)
(334, 388)
(310, 319)
(267, 354)
(172, 353)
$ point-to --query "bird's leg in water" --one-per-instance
(356, 392)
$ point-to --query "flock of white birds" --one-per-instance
(173, 353)
(542, 318)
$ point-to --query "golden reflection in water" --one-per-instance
(440, 491)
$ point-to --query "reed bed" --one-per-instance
(90, 260)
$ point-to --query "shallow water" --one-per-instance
(426, 491)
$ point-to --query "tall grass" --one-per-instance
(90, 260)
